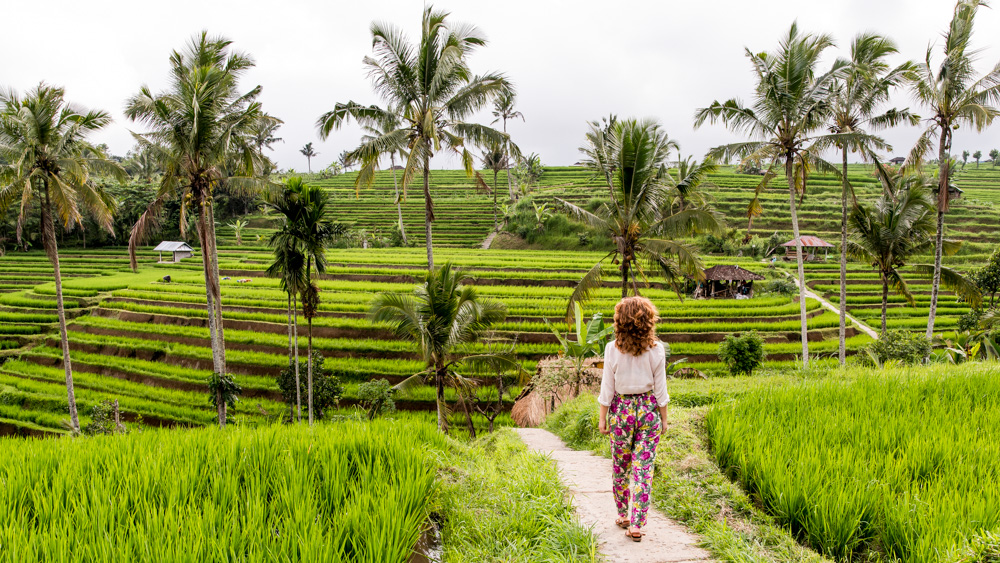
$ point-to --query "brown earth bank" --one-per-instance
(11, 430)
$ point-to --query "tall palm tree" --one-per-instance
(47, 160)
(202, 130)
(791, 104)
(375, 128)
(309, 153)
(289, 267)
(430, 86)
(687, 185)
(897, 227)
(503, 110)
(858, 94)
(631, 157)
(441, 316)
(953, 96)
(495, 159)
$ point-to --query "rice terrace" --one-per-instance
(220, 342)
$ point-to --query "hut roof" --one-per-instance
(172, 246)
(731, 273)
(810, 242)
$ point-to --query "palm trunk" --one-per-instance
(843, 264)
(506, 155)
(885, 303)
(439, 384)
(399, 204)
(218, 363)
(943, 147)
(798, 258)
(624, 279)
(495, 225)
(309, 349)
(429, 209)
(49, 242)
(291, 353)
(298, 384)
(309, 164)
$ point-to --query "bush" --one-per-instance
(327, 389)
(896, 346)
(102, 420)
(779, 286)
(376, 397)
(742, 354)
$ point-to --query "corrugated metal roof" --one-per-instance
(172, 246)
(810, 241)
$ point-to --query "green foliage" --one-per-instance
(102, 420)
(576, 422)
(742, 354)
(896, 347)
(327, 389)
(306, 491)
(987, 278)
(777, 286)
(223, 386)
(896, 463)
(376, 397)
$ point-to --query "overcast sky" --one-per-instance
(571, 61)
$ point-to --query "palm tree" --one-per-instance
(630, 158)
(495, 159)
(376, 137)
(686, 187)
(47, 160)
(430, 86)
(790, 105)
(441, 316)
(289, 264)
(503, 110)
(897, 227)
(858, 93)
(202, 130)
(309, 153)
(953, 97)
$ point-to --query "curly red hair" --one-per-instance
(635, 325)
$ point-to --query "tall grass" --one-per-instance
(901, 462)
(344, 492)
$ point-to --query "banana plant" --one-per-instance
(590, 341)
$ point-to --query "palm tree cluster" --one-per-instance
(299, 250)
(798, 112)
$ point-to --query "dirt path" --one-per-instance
(830, 306)
(489, 239)
(588, 478)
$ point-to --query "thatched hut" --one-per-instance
(727, 282)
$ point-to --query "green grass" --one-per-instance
(901, 462)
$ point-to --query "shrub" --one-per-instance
(742, 354)
(376, 397)
(327, 388)
(896, 346)
(102, 420)
(779, 286)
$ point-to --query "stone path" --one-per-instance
(489, 239)
(830, 306)
(588, 478)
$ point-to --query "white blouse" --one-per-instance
(626, 374)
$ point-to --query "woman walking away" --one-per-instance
(634, 393)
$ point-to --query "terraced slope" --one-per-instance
(145, 341)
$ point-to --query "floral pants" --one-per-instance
(635, 433)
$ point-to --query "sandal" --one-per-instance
(622, 523)
(635, 536)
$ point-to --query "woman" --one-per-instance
(634, 393)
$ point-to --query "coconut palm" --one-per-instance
(495, 159)
(791, 104)
(687, 185)
(858, 96)
(503, 110)
(47, 161)
(631, 157)
(441, 316)
(430, 86)
(376, 137)
(953, 96)
(202, 130)
(308, 152)
(895, 228)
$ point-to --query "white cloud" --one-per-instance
(572, 61)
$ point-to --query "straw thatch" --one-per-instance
(731, 273)
(531, 407)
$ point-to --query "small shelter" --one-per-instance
(811, 246)
(179, 250)
(727, 282)
(898, 161)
